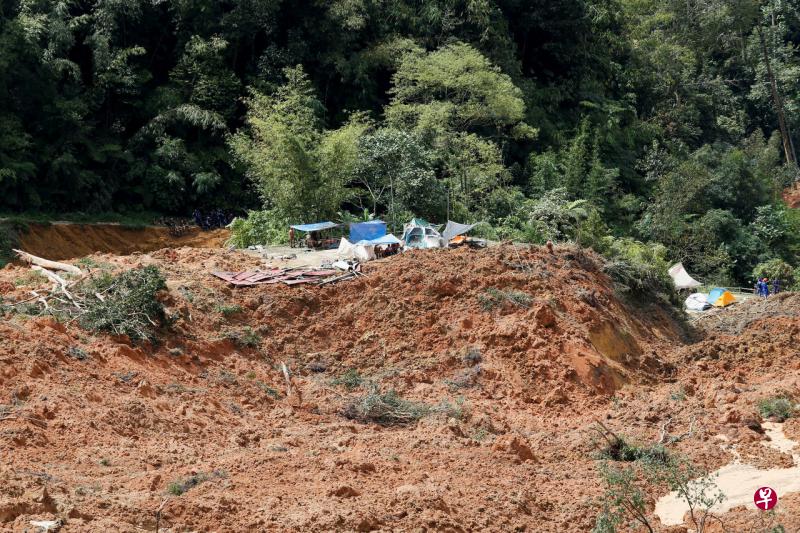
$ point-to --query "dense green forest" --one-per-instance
(652, 130)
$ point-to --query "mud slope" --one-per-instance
(201, 424)
(66, 240)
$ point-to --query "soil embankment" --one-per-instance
(59, 240)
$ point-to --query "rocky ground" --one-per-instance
(199, 432)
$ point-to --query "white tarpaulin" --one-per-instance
(361, 252)
(454, 229)
(697, 302)
(681, 278)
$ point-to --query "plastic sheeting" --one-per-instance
(416, 235)
(367, 231)
(348, 250)
(720, 297)
(454, 229)
(386, 239)
(697, 302)
(317, 226)
(681, 278)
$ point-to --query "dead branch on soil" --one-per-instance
(291, 385)
(34, 421)
(665, 439)
(164, 501)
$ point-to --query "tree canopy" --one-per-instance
(663, 122)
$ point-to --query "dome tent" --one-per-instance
(720, 297)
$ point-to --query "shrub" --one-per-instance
(229, 310)
(350, 379)
(77, 352)
(180, 486)
(260, 227)
(495, 297)
(129, 306)
(778, 408)
(244, 338)
(385, 409)
(473, 356)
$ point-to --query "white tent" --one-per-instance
(681, 278)
(697, 302)
(362, 252)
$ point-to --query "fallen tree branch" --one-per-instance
(46, 263)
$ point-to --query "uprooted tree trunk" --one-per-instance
(46, 263)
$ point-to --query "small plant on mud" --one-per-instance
(180, 486)
(625, 500)
(679, 395)
(244, 338)
(494, 298)
(229, 310)
(31, 278)
(76, 352)
(386, 409)
(351, 379)
(127, 304)
(779, 408)
(473, 356)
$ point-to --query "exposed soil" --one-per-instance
(67, 240)
(517, 384)
(791, 196)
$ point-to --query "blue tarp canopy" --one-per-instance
(386, 239)
(367, 231)
(317, 226)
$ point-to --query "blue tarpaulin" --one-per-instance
(367, 231)
(386, 239)
(317, 226)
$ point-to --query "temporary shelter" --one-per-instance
(697, 302)
(681, 278)
(317, 226)
(454, 229)
(362, 252)
(720, 297)
(420, 234)
(367, 231)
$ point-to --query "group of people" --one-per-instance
(214, 219)
(762, 287)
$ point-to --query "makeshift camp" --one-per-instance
(313, 238)
(720, 297)
(681, 278)
(420, 234)
(697, 302)
(367, 231)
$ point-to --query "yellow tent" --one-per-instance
(721, 298)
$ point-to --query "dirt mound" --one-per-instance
(512, 354)
(67, 241)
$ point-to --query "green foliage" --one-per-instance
(494, 298)
(386, 409)
(228, 310)
(636, 267)
(181, 486)
(246, 337)
(776, 269)
(351, 379)
(259, 227)
(657, 118)
(779, 408)
(129, 305)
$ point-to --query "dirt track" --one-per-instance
(97, 442)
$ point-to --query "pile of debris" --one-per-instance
(288, 276)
